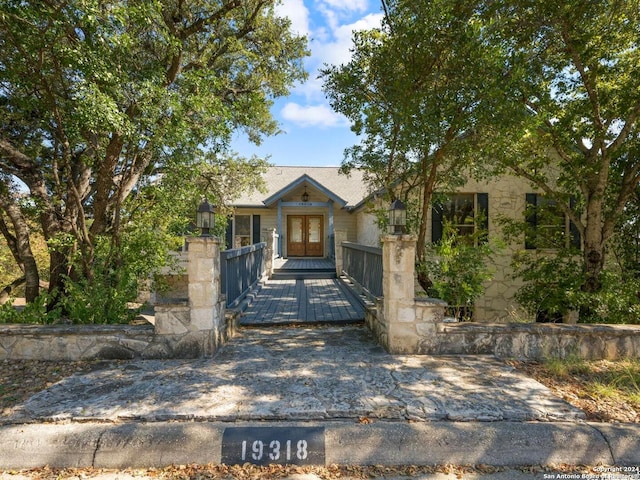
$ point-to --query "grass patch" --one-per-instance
(565, 367)
(615, 380)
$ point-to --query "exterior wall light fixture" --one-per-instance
(398, 217)
(205, 217)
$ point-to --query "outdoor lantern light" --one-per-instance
(205, 217)
(305, 195)
(397, 216)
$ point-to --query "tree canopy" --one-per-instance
(548, 91)
(101, 100)
(574, 132)
(413, 89)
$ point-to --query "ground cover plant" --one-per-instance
(607, 391)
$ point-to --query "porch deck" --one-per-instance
(308, 301)
(306, 263)
(293, 268)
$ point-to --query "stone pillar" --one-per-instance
(408, 326)
(203, 271)
(271, 238)
(339, 237)
(398, 265)
(197, 326)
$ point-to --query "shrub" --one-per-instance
(552, 283)
(553, 287)
(34, 312)
(457, 268)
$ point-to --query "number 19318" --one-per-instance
(274, 450)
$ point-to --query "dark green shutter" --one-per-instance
(482, 200)
(531, 200)
(256, 229)
(228, 235)
(436, 222)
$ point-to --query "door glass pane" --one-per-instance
(314, 230)
(295, 235)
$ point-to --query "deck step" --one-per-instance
(303, 274)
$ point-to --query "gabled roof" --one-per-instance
(346, 191)
(303, 180)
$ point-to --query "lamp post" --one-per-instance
(205, 217)
(398, 217)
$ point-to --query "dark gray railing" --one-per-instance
(240, 269)
(363, 265)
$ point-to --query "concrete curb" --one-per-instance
(140, 445)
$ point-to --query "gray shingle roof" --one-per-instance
(351, 189)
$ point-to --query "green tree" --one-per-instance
(414, 90)
(574, 69)
(101, 99)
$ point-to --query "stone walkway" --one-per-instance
(297, 373)
(303, 301)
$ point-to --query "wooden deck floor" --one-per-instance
(304, 264)
(303, 301)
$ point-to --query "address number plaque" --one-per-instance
(273, 445)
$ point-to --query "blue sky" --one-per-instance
(313, 134)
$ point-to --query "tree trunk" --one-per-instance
(430, 175)
(21, 248)
(594, 247)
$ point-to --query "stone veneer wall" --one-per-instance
(427, 335)
(404, 324)
(189, 327)
(106, 342)
(507, 196)
(76, 342)
(533, 341)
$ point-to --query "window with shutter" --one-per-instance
(467, 213)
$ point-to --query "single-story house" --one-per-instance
(306, 205)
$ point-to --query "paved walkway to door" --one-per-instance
(306, 373)
(303, 301)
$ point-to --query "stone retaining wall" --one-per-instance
(76, 342)
(107, 342)
(531, 341)
(404, 324)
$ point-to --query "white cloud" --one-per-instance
(349, 5)
(297, 13)
(312, 115)
(337, 52)
(329, 25)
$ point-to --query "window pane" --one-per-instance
(550, 224)
(459, 212)
(295, 235)
(243, 225)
